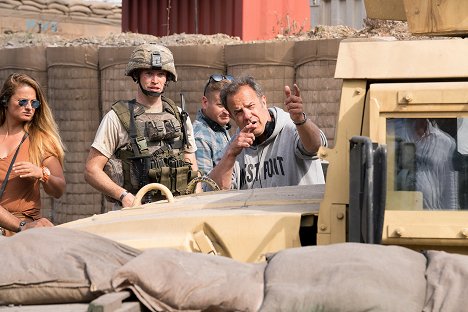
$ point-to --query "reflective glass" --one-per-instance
(428, 163)
(217, 78)
(34, 103)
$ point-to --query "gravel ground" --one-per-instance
(373, 28)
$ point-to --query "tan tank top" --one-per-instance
(22, 195)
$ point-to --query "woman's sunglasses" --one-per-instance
(217, 78)
(34, 103)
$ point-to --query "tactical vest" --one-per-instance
(156, 150)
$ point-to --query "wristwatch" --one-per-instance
(21, 225)
(300, 123)
(45, 174)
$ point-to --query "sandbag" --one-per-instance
(447, 281)
(345, 277)
(172, 280)
(58, 265)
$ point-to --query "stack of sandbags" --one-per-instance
(95, 9)
(58, 265)
(171, 280)
(447, 282)
(10, 4)
(345, 277)
(57, 7)
(116, 13)
(341, 277)
(101, 9)
(78, 8)
(33, 5)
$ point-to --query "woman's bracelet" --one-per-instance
(45, 174)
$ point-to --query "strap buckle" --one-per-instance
(142, 144)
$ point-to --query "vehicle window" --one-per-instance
(428, 161)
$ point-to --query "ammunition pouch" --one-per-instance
(171, 170)
(164, 167)
(161, 130)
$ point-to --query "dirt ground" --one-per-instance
(373, 28)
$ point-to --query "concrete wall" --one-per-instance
(83, 82)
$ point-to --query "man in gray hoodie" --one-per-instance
(272, 147)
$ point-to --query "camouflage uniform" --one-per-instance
(145, 146)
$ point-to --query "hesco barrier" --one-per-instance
(270, 63)
(194, 65)
(315, 63)
(74, 97)
(83, 82)
(113, 83)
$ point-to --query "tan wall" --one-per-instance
(83, 82)
(61, 17)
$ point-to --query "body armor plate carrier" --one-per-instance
(155, 153)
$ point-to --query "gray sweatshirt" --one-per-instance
(279, 161)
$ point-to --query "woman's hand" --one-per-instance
(27, 169)
(42, 222)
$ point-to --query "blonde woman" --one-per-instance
(31, 153)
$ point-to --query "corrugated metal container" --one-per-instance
(338, 12)
(247, 19)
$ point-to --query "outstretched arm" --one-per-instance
(308, 131)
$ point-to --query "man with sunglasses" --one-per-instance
(273, 147)
(211, 127)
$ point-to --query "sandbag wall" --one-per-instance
(83, 82)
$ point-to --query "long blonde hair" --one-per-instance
(43, 131)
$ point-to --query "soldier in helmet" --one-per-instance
(144, 140)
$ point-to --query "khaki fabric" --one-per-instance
(345, 277)
(172, 280)
(58, 265)
(447, 281)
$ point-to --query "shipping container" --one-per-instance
(246, 19)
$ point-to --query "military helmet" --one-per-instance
(151, 56)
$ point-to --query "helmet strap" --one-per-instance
(149, 93)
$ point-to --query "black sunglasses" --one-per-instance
(34, 103)
(217, 78)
